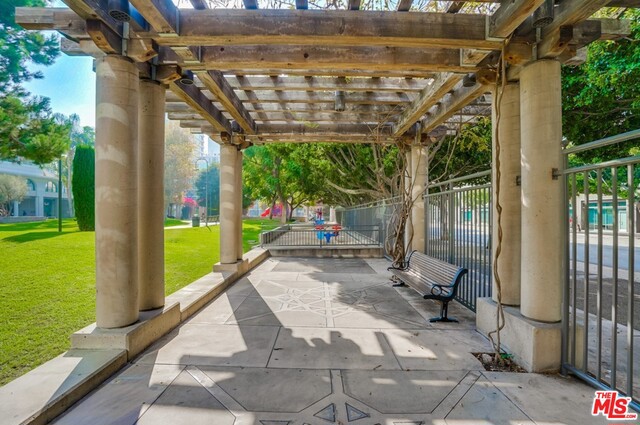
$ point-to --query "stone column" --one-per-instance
(238, 191)
(506, 129)
(542, 203)
(16, 208)
(228, 201)
(151, 195)
(116, 192)
(419, 162)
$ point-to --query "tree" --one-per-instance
(12, 189)
(28, 128)
(601, 97)
(178, 163)
(291, 174)
(84, 186)
(208, 189)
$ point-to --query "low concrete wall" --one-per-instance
(326, 252)
(21, 219)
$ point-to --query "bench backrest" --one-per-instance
(435, 270)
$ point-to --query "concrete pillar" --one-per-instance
(419, 160)
(116, 192)
(506, 128)
(238, 192)
(542, 203)
(228, 201)
(16, 208)
(151, 195)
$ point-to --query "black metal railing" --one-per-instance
(328, 235)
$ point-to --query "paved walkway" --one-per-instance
(314, 341)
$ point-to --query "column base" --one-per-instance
(133, 338)
(240, 267)
(536, 346)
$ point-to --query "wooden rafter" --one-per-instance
(194, 97)
(326, 83)
(431, 95)
(510, 15)
(404, 5)
(162, 15)
(302, 4)
(354, 5)
(215, 82)
(199, 4)
(460, 97)
(455, 6)
(250, 4)
(284, 97)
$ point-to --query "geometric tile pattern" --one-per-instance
(320, 342)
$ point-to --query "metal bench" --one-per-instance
(432, 278)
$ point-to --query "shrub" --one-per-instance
(84, 187)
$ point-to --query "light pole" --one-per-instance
(206, 190)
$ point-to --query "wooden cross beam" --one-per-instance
(326, 83)
(193, 97)
(510, 15)
(162, 15)
(404, 5)
(376, 58)
(431, 95)
(225, 27)
(215, 82)
(461, 97)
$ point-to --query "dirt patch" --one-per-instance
(506, 364)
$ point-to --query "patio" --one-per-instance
(318, 341)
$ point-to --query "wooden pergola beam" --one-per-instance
(432, 94)
(302, 4)
(510, 15)
(404, 5)
(461, 97)
(215, 82)
(250, 4)
(310, 72)
(162, 15)
(455, 6)
(354, 5)
(571, 12)
(175, 104)
(225, 27)
(325, 83)
(334, 58)
(199, 4)
(51, 18)
(193, 97)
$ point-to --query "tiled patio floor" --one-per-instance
(322, 341)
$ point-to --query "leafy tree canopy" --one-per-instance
(28, 128)
(602, 96)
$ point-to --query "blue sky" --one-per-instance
(70, 83)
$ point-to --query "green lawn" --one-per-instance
(171, 222)
(47, 283)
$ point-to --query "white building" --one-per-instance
(42, 197)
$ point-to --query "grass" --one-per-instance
(47, 282)
(171, 222)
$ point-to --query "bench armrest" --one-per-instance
(441, 290)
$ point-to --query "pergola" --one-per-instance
(250, 76)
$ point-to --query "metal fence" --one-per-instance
(321, 236)
(602, 287)
(458, 231)
(378, 214)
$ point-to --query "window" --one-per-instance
(51, 187)
(31, 186)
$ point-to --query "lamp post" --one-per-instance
(60, 195)
(206, 190)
